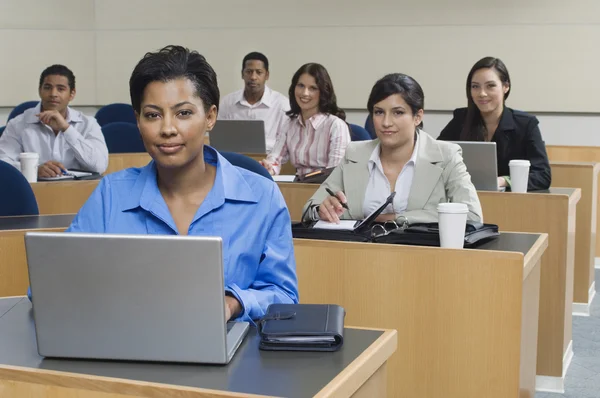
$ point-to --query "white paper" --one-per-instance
(284, 178)
(344, 225)
(70, 175)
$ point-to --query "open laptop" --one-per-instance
(130, 297)
(240, 136)
(480, 159)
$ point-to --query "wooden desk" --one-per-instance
(585, 176)
(466, 319)
(14, 278)
(553, 213)
(357, 370)
(62, 197)
(121, 161)
(561, 153)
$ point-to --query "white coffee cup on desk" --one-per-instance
(29, 165)
(452, 221)
(519, 175)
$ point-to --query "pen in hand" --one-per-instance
(330, 192)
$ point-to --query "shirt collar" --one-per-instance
(315, 120)
(374, 159)
(266, 99)
(73, 116)
(229, 185)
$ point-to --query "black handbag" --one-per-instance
(315, 177)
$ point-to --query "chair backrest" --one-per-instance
(116, 112)
(370, 127)
(17, 197)
(17, 110)
(358, 133)
(2, 130)
(123, 137)
(246, 162)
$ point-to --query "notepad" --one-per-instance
(344, 225)
(69, 176)
(284, 178)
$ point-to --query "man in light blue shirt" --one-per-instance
(190, 189)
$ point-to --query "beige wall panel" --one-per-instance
(438, 57)
(46, 14)
(194, 14)
(22, 65)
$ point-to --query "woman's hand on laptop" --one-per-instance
(232, 308)
(502, 182)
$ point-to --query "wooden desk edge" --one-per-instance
(106, 384)
(534, 255)
(362, 368)
(594, 165)
(7, 232)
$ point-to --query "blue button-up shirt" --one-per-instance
(246, 210)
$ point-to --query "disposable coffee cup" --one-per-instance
(29, 165)
(519, 175)
(452, 223)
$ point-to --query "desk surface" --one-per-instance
(511, 242)
(36, 222)
(291, 374)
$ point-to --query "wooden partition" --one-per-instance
(121, 161)
(62, 197)
(584, 176)
(562, 153)
(554, 214)
(466, 319)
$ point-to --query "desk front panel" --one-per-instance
(562, 153)
(585, 177)
(552, 213)
(466, 319)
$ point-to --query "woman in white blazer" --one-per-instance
(403, 159)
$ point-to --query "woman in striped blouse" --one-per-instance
(314, 136)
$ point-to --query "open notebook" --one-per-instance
(355, 225)
(68, 175)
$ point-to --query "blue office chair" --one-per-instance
(2, 130)
(17, 110)
(123, 137)
(358, 133)
(116, 112)
(17, 198)
(246, 162)
(370, 127)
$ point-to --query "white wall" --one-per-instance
(550, 47)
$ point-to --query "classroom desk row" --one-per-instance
(467, 320)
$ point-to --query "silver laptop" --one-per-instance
(240, 136)
(480, 159)
(130, 297)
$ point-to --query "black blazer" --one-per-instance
(517, 137)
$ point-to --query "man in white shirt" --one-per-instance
(256, 101)
(63, 137)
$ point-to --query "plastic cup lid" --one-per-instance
(28, 155)
(516, 162)
(458, 208)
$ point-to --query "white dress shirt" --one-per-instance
(270, 108)
(378, 188)
(81, 146)
(320, 143)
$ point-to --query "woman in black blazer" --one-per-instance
(516, 133)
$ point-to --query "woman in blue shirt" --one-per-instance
(189, 189)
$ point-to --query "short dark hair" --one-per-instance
(60, 70)
(398, 83)
(256, 56)
(171, 63)
(327, 98)
(473, 128)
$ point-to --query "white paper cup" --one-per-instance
(519, 175)
(29, 165)
(452, 222)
